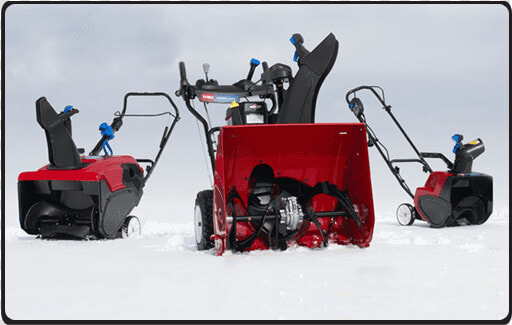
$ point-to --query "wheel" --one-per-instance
(203, 220)
(131, 227)
(405, 214)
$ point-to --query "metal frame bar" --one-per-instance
(378, 145)
(188, 92)
(117, 122)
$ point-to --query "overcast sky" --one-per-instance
(444, 69)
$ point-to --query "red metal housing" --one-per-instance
(108, 168)
(308, 153)
(92, 200)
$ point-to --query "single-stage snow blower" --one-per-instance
(280, 179)
(85, 196)
(454, 197)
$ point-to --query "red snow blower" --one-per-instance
(458, 196)
(280, 179)
(85, 197)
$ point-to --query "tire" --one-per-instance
(203, 220)
(405, 214)
(131, 227)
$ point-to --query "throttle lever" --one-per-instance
(206, 68)
(253, 63)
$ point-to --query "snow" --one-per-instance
(412, 273)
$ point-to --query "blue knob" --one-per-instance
(456, 138)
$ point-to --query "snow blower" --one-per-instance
(454, 197)
(90, 196)
(280, 179)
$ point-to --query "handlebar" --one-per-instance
(149, 94)
(117, 122)
(185, 91)
(184, 84)
(210, 91)
(356, 106)
(372, 89)
(183, 72)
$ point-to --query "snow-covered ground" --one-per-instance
(407, 273)
(90, 56)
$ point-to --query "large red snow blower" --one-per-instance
(280, 179)
(85, 196)
(457, 196)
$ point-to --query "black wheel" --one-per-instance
(131, 227)
(405, 214)
(203, 220)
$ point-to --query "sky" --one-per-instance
(444, 69)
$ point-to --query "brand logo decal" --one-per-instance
(205, 97)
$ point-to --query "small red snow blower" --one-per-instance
(85, 196)
(455, 197)
(280, 179)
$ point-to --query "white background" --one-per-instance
(444, 69)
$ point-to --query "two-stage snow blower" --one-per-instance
(280, 179)
(454, 197)
(90, 196)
